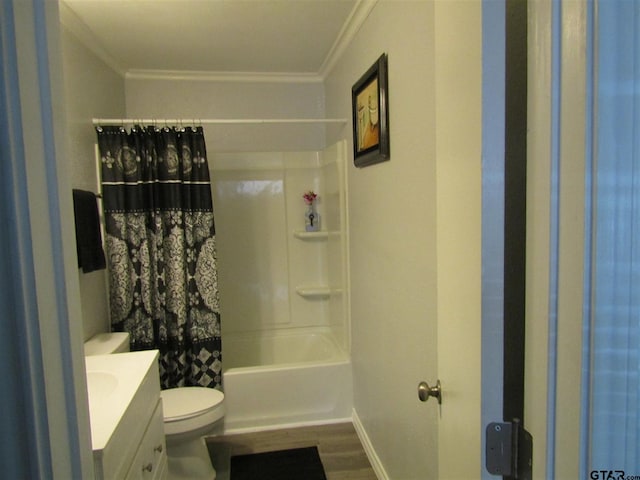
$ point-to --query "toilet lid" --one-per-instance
(184, 402)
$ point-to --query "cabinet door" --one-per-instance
(151, 458)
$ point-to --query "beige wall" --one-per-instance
(392, 215)
(91, 89)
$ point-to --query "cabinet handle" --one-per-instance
(158, 449)
(148, 467)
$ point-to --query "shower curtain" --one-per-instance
(161, 249)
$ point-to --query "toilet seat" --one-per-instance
(190, 408)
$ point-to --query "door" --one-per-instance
(481, 95)
(458, 71)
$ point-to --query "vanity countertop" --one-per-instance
(112, 383)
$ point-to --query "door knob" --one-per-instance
(425, 391)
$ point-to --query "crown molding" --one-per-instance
(74, 24)
(209, 76)
(351, 27)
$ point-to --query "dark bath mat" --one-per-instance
(294, 464)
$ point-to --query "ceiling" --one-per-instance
(215, 36)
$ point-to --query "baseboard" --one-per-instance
(376, 464)
(281, 426)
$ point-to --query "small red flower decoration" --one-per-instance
(309, 197)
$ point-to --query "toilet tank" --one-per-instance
(107, 343)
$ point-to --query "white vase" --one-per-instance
(311, 219)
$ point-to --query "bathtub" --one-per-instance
(291, 379)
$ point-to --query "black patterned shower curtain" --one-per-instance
(161, 249)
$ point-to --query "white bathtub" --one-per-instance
(274, 380)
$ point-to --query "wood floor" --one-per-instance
(340, 449)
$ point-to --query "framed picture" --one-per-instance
(370, 110)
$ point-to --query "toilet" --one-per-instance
(190, 413)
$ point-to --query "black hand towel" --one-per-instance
(88, 236)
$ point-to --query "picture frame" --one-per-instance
(370, 111)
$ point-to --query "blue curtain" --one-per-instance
(17, 421)
(614, 293)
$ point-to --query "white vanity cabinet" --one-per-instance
(151, 460)
(126, 416)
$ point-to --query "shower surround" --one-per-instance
(283, 291)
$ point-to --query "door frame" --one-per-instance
(555, 267)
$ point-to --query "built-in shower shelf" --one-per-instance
(315, 291)
(304, 235)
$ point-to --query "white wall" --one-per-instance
(392, 216)
(203, 98)
(92, 89)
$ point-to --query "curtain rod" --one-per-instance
(203, 121)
